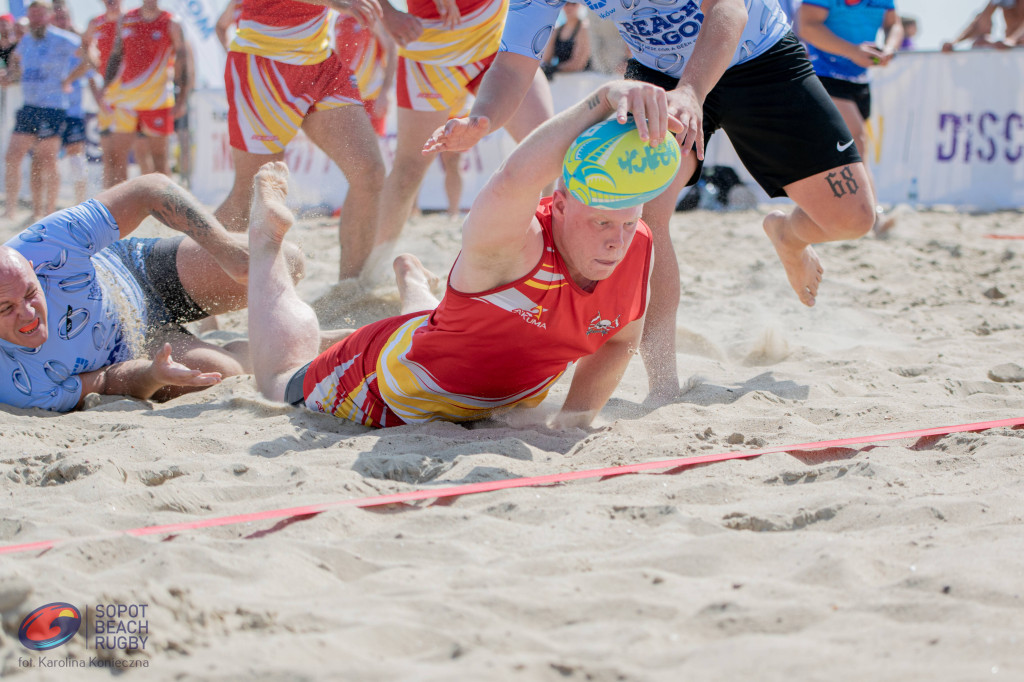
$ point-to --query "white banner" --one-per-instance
(946, 127)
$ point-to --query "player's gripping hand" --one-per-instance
(458, 135)
(449, 12)
(366, 12)
(403, 27)
(649, 105)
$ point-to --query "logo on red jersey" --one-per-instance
(532, 316)
(598, 325)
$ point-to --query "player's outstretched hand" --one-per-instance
(366, 12)
(867, 55)
(165, 371)
(458, 135)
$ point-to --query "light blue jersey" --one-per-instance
(855, 21)
(45, 63)
(661, 34)
(80, 280)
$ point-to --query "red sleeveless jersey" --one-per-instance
(477, 353)
(145, 80)
(284, 30)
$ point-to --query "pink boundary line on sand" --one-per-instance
(505, 484)
(1004, 236)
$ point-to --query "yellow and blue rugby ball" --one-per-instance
(609, 166)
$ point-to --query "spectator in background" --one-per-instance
(909, 32)
(40, 63)
(979, 30)
(73, 133)
(8, 39)
(840, 40)
(568, 50)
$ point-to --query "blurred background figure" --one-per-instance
(840, 40)
(909, 31)
(8, 39)
(568, 49)
(73, 134)
(40, 63)
(979, 30)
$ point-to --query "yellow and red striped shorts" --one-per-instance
(268, 100)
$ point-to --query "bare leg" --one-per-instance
(535, 108)
(415, 284)
(185, 156)
(115, 157)
(403, 183)
(831, 206)
(855, 122)
(283, 331)
(233, 213)
(452, 163)
(75, 154)
(357, 154)
(45, 177)
(157, 147)
(20, 145)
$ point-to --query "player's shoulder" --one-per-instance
(64, 36)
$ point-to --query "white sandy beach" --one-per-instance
(892, 562)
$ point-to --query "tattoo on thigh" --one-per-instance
(180, 211)
(842, 183)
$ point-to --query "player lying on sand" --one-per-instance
(535, 289)
(82, 308)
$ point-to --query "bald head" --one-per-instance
(22, 304)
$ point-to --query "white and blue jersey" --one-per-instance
(86, 332)
(661, 34)
(45, 62)
(855, 21)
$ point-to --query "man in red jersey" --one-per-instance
(282, 75)
(138, 98)
(534, 290)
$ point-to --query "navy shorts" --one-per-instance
(154, 265)
(858, 93)
(74, 131)
(776, 113)
(39, 121)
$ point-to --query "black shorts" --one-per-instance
(39, 121)
(154, 265)
(73, 132)
(294, 394)
(858, 93)
(776, 113)
(181, 124)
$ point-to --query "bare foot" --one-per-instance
(798, 258)
(415, 284)
(269, 218)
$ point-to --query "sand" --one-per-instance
(900, 561)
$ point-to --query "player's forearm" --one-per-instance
(504, 87)
(594, 381)
(821, 37)
(893, 29)
(179, 210)
(132, 377)
(724, 21)
(538, 159)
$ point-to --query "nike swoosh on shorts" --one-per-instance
(843, 147)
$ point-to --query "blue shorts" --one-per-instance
(74, 131)
(153, 264)
(41, 122)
